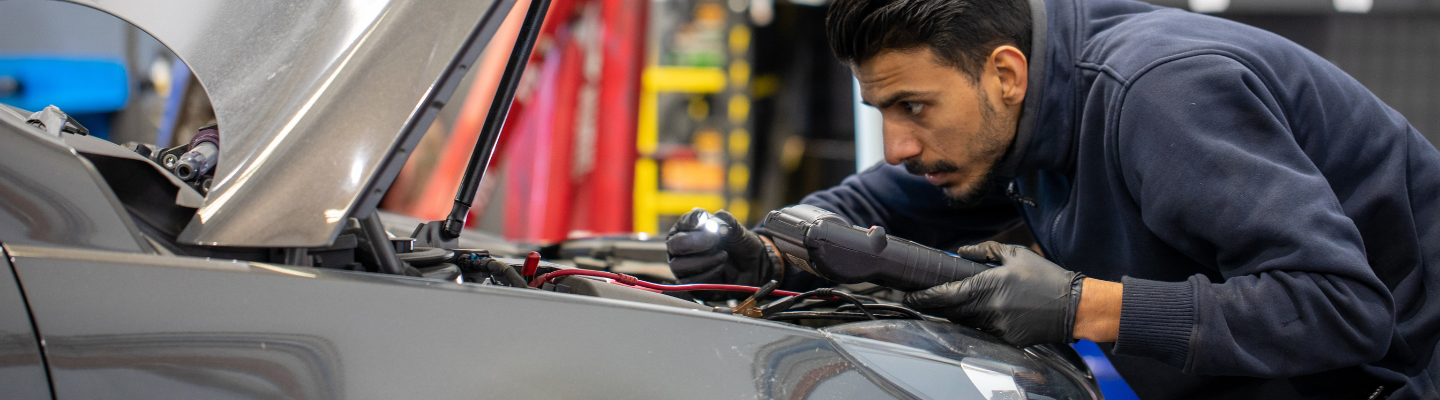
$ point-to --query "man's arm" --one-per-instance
(1098, 317)
(884, 195)
(1207, 156)
(906, 206)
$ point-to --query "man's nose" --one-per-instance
(900, 144)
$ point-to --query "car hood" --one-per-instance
(319, 102)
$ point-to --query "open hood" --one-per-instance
(319, 102)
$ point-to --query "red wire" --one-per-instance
(633, 281)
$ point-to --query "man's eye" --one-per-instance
(912, 108)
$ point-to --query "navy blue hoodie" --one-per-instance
(1276, 226)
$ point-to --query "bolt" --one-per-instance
(169, 161)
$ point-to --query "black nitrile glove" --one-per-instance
(1026, 300)
(706, 248)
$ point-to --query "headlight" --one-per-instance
(947, 361)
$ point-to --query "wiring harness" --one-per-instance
(777, 310)
(633, 281)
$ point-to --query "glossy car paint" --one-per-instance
(121, 325)
(51, 196)
(22, 371)
(318, 102)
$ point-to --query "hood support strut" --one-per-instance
(494, 121)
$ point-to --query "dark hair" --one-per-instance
(961, 32)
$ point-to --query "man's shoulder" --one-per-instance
(1127, 46)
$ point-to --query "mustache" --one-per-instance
(935, 167)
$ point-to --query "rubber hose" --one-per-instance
(502, 270)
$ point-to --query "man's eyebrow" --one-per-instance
(897, 96)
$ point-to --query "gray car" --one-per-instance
(277, 278)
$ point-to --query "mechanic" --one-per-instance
(1240, 218)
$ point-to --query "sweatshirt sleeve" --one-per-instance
(909, 207)
(1206, 154)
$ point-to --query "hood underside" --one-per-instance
(318, 101)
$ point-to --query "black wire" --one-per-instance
(788, 302)
(852, 300)
(891, 308)
(819, 315)
(818, 304)
(832, 302)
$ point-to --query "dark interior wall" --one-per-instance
(810, 112)
(1396, 56)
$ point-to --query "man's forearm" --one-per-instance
(1098, 317)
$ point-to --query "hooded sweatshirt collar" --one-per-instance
(1044, 132)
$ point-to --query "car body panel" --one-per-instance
(125, 325)
(316, 101)
(49, 195)
(22, 370)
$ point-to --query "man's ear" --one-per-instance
(1013, 72)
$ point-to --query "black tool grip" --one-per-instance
(848, 254)
(827, 245)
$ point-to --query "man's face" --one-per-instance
(938, 121)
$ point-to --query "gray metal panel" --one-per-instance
(312, 98)
(51, 196)
(116, 328)
(22, 372)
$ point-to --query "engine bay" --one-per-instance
(160, 202)
(161, 188)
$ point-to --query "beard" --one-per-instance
(970, 198)
(991, 129)
(983, 188)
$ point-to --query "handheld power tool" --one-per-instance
(826, 244)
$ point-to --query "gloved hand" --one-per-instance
(718, 249)
(1026, 300)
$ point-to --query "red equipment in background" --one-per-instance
(437, 195)
(569, 163)
(622, 34)
(538, 184)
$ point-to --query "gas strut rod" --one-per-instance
(495, 119)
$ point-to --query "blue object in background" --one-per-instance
(179, 83)
(86, 88)
(1111, 384)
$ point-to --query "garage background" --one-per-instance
(633, 112)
